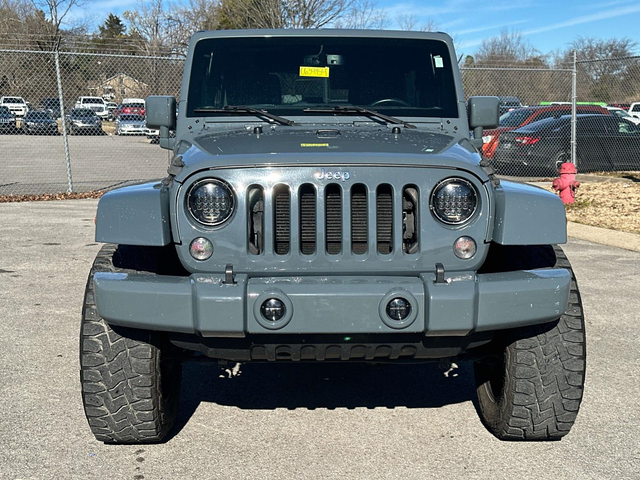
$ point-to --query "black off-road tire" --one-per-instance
(130, 383)
(533, 388)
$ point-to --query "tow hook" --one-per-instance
(228, 275)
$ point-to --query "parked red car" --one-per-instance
(129, 109)
(623, 106)
(523, 116)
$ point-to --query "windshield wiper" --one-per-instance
(357, 109)
(242, 109)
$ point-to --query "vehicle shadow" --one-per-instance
(323, 385)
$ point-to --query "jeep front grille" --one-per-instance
(384, 219)
(359, 219)
(333, 216)
(347, 218)
(307, 219)
(282, 218)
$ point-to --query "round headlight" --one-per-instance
(454, 201)
(210, 201)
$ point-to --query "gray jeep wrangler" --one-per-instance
(326, 201)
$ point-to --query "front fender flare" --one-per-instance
(528, 215)
(135, 215)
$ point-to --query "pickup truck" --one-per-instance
(16, 105)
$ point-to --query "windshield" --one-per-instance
(286, 75)
(621, 113)
(13, 100)
(514, 118)
(93, 100)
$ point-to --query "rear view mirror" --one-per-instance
(161, 114)
(483, 112)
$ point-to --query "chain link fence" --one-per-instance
(537, 134)
(75, 121)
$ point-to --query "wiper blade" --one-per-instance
(357, 109)
(242, 109)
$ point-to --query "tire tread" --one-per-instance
(544, 376)
(120, 375)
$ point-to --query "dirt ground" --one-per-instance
(608, 204)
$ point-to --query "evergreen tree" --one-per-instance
(112, 27)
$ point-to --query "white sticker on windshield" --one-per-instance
(438, 61)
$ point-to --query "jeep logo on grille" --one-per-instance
(337, 175)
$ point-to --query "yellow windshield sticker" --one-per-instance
(322, 72)
(314, 144)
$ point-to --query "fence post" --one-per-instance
(65, 139)
(574, 118)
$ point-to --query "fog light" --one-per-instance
(273, 309)
(464, 247)
(201, 248)
(398, 309)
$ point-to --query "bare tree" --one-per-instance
(151, 27)
(194, 16)
(363, 14)
(283, 13)
(508, 48)
(607, 69)
(240, 14)
(597, 53)
(410, 22)
(57, 11)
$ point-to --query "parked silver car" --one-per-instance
(131, 125)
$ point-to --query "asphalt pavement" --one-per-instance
(293, 421)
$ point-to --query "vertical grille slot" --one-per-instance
(410, 227)
(255, 219)
(359, 219)
(333, 216)
(282, 219)
(307, 219)
(384, 219)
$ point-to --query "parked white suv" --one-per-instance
(634, 109)
(97, 104)
(16, 105)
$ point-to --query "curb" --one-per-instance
(604, 236)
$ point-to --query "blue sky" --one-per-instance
(547, 24)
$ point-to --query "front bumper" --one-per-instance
(203, 304)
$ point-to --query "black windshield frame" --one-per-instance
(394, 76)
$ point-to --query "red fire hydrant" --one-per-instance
(567, 183)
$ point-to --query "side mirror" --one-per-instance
(483, 112)
(161, 114)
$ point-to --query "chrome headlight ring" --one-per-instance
(454, 201)
(210, 202)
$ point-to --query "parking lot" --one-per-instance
(290, 421)
(35, 164)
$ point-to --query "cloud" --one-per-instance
(488, 27)
(602, 15)
(452, 9)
